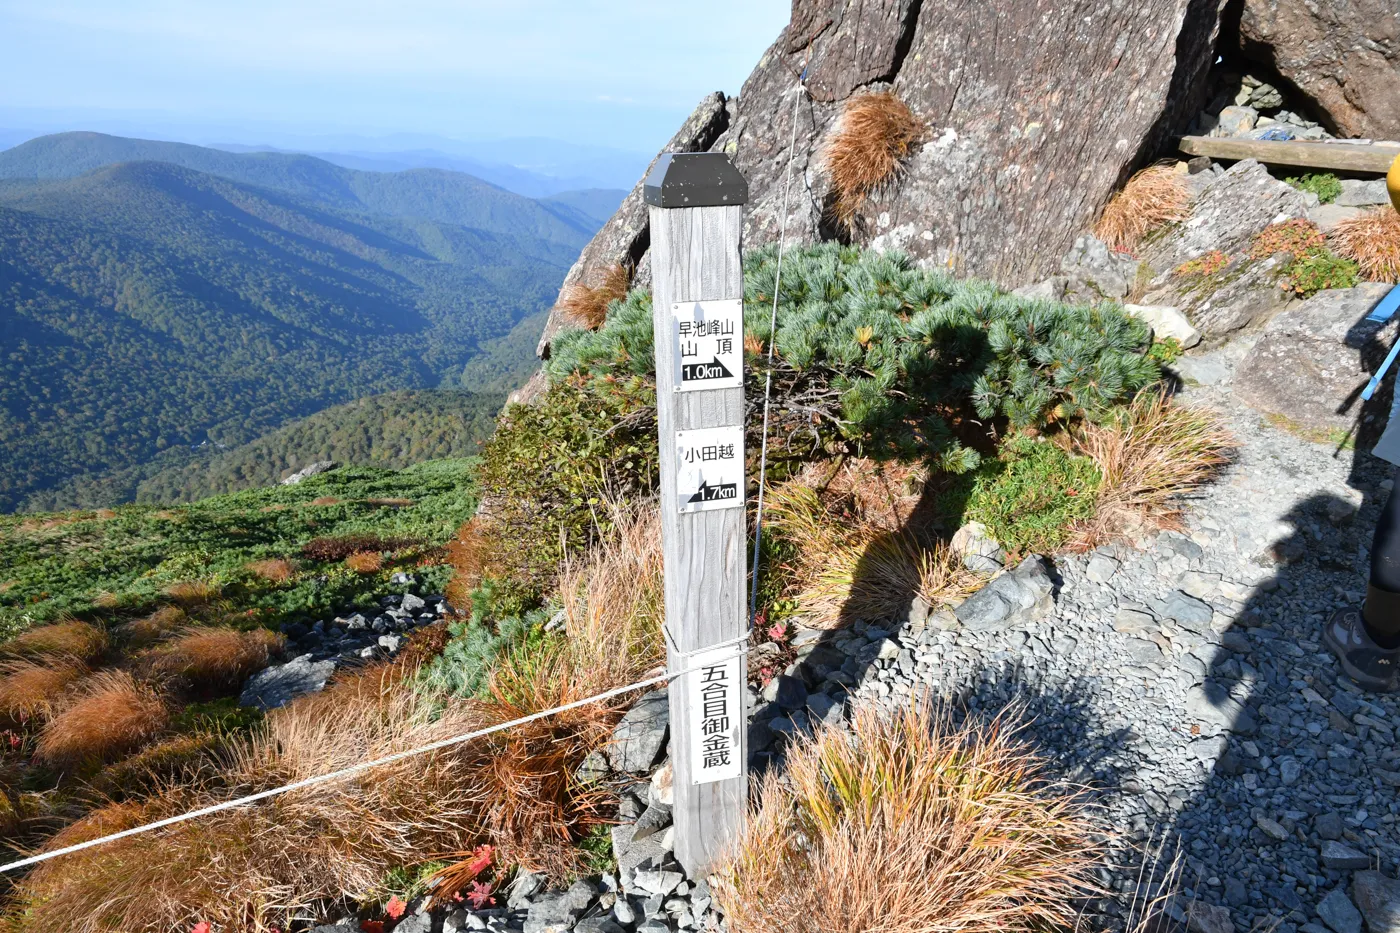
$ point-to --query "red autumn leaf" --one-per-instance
(480, 895)
(395, 908)
(481, 859)
(201, 927)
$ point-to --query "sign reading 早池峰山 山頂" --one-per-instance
(716, 714)
(710, 468)
(709, 344)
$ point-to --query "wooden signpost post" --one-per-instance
(696, 209)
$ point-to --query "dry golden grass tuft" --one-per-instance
(1152, 198)
(192, 593)
(1148, 457)
(874, 136)
(293, 854)
(365, 561)
(587, 305)
(906, 824)
(146, 631)
(273, 569)
(112, 818)
(326, 500)
(390, 503)
(34, 691)
(862, 551)
(1373, 242)
(112, 715)
(183, 759)
(72, 639)
(214, 660)
(470, 554)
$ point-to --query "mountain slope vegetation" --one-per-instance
(427, 193)
(146, 306)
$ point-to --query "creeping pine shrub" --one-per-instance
(893, 360)
(551, 469)
(476, 643)
(1325, 185)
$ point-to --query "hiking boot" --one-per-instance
(1365, 662)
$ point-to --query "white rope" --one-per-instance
(772, 344)
(354, 769)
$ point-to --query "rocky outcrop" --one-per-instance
(1312, 361)
(1035, 111)
(1342, 55)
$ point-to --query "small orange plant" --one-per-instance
(587, 306)
(113, 715)
(365, 562)
(876, 133)
(144, 632)
(1372, 241)
(1152, 198)
(1295, 236)
(1203, 266)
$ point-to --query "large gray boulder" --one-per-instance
(1021, 151)
(1314, 358)
(1343, 55)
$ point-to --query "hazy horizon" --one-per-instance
(425, 74)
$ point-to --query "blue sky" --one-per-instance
(620, 74)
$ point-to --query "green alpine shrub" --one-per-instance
(895, 360)
(1325, 185)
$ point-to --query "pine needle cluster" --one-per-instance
(892, 359)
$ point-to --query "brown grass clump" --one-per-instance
(326, 500)
(144, 632)
(587, 305)
(113, 715)
(29, 690)
(112, 818)
(365, 562)
(1148, 457)
(182, 759)
(72, 639)
(336, 549)
(906, 825)
(292, 854)
(193, 593)
(1152, 198)
(273, 570)
(876, 133)
(470, 554)
(862, 551)
(390, 503)
(1372, 241)
(215, 660)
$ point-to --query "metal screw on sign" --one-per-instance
(696, 208)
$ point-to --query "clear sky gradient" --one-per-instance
(622, 73)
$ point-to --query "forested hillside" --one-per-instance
(146, 306)
(427, 193)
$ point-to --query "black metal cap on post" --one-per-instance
(695, 179)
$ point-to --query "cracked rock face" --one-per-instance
(1020, 150)
(1344, 55)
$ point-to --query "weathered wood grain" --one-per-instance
(1348, 157)
(695, 257)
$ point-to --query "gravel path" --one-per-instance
(1190, 678)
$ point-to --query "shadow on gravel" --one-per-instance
(1303, 790)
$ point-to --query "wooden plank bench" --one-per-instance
(1372, 158)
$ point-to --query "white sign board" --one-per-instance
(716, 714)
(709, 344)
(710, 468)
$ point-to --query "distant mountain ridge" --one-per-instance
(428, 193)
(147, 305)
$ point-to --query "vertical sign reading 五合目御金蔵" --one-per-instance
(716, 715)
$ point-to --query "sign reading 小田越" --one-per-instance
(710, 468)
(709, 348)
(716, 714)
